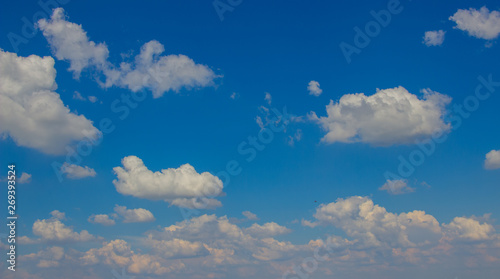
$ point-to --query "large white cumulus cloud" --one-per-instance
(31, 113)
(390, 116)
(182, 186)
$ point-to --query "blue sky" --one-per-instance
(213, 80)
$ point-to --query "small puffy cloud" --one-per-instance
(390, 116)
(295, 138)
(434, 38)
(24, 178)
(268, 98)
(92, 99)
(183, 187)
(314, 89)
(481, 23)
(102, 219)
(250, 215)
(54, 230)
(58, 214)
(234, 95)
(77, 172)
(138, 215)
(149, 70)
(307, 223)
(492, 161)
(397, 187)
(469, 229)
(78, 96)
(30, 112)
(267, 230)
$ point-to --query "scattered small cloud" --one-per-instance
(268, 98)
(250, 215)
(78, 96)
(138, 215)
(73, 171)
(234, 96)
(24, 178)
(102, 219)
(434, 38)
(397, 187)
(314, 88)
(295, 138)
(492, 161)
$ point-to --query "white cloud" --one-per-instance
(469, 229)
(390, 116)
(397, 187)
(160, 73)
(371, 224)
(30, 112)
(77, 172)
(250, 215)
(119, 253)
(313, 88)
(295, 138)
(70, 42)
(58, 214)
(266, 230)
(434, 38)
(307, 223)
(268, 98)
(92, 99)
(149, 70)
(228, 243)
(183, 186)
(208, 246)
(24, 178)
(78, 96)
(102, 219)
(176, 248)
(138, 215)
(481, 23)
(54, 230)
(492, 161)
(234, 95)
